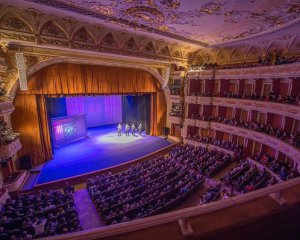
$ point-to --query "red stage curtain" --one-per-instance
(161, 111)
(153, 115)
(44, 127)
(30, 119)
(158, 113)
(66, 78)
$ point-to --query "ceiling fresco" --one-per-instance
(194, 21)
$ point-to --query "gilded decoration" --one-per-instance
(34, 26)
(196, 21)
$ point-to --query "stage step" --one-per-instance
(30, 181)
(88, 215)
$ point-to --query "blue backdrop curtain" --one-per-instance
(56, 107)
(137, 109)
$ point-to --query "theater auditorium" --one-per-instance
(150, 119)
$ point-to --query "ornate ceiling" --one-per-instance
(199, 22)
(156, 33)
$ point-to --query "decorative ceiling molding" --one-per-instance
(288, 29)
(201, 23)
(35, 27)
(147, 15)
(29, 25)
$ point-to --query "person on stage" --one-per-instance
(133, 129)
(119, 129)
(140, 129)
(127, 128)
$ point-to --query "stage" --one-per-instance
(101, 149)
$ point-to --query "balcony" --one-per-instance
(177, 74)
(175, 98)
(285, 70)
(199, 100)
(196, 122)
(209, 146)
(284, 109)
(285, 148)
(175, 120)
(7, 151)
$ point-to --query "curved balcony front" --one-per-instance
(7, 151)
(285, 70)
(289, 110)
(273, 142)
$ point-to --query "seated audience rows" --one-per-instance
(247, 177)
(292, 138)
(158, 185)
(166, 181)
(284, 168)
(269, 60)
(208, 162)
(45, 213)
(271, 97)
(215, 193)
(219, 143)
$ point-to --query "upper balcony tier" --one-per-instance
(7, 151)
(175, 98)
(175, 120)
(282, 146)
(282, 71)
(177, 74)
(284, 109)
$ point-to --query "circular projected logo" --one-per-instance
(69, 130)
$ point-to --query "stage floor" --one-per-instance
(102, 149)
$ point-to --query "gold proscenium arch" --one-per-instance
(14, 86)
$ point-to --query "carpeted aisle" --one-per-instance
(88, 215)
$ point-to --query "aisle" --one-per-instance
(87, 212)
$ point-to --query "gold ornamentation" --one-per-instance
(145, 14)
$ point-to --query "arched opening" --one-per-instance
(67, 79)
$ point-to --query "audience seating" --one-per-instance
(284, 168)
(267, 61)
(154, 186)
(247, 177)
(219, 143)
(271, 97)
(38, 215)
(292, 138)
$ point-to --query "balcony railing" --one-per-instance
(175, 120)
(181, 217)
(286, 70)
(7, 151)
(275, 143)
(175, 98)
(208, 145)
(289, 110)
